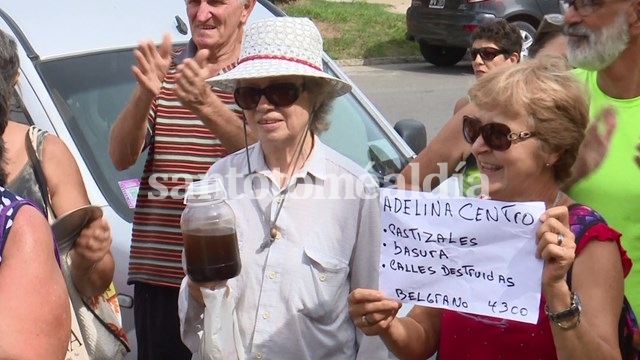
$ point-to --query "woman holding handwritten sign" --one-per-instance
(526, 136)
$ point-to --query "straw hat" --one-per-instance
(280, 46)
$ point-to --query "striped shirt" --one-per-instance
(181, 150)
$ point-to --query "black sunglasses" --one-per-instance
(279, 94)
(486, 53)
(497, 136)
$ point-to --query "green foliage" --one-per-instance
(355, 29)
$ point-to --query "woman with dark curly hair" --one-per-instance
(493, 44)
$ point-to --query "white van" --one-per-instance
(75, 78)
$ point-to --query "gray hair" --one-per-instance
(9, 60)
(9, 65)
(5, 90)
(319, 89)
(4, 112)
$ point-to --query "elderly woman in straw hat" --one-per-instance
(307, 217)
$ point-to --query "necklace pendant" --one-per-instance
(273, 233)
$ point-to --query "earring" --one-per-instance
(547, 164)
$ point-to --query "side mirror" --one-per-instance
(413, 132)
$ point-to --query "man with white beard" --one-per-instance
(604, 45)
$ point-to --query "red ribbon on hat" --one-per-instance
(278, 57)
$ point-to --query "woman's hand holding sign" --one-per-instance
(556, 246)
(372, 311)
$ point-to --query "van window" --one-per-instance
(91, 90)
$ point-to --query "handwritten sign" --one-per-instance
(470, 255)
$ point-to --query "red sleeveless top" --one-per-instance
(469, 336)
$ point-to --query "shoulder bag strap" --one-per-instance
(37, 170)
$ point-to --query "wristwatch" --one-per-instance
(567, 314)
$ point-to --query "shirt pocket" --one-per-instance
(323, 285)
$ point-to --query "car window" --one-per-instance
(90, 90)
(356, 134)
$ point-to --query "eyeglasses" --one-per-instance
(486, 53)
(497, 136)
(583, 7)
(551, 23)
(552, 20)
(278, 94)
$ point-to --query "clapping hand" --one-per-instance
(596, 144)
(556, 245)
(191, 86)
(152, 64)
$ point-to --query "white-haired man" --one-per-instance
(186, 128)
(604, 46)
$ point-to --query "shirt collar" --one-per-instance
(190, 50)
(187, 52)
(315, 164)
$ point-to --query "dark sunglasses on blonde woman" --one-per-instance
(279, 94)
(496, 136)
(486, 53)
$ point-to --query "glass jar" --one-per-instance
(208, 227)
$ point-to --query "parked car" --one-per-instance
(75, 77)
(442, 28)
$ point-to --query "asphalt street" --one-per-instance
(418, 90)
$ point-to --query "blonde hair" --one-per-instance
(545, 91)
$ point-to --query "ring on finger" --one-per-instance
(560, 240)
(365, 320)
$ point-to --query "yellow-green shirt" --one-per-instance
(613, 189)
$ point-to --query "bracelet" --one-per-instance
(571, 325)
(561, 317)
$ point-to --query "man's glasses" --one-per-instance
(583, 7)
(278, 94)
(552, 20)
(497, 136)
(486, 53)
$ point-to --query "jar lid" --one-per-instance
(205, 190)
